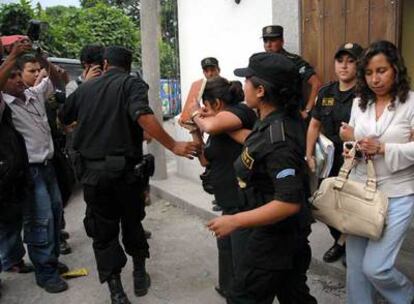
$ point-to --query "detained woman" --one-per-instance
(222, 116)
(382, 124)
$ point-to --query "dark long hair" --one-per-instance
(283, 97)
(401, 85)
(230, 92)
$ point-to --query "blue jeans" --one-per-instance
(371, 264)
(42, 213)
(11, 245)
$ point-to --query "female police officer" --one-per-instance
(333, 106)
(271, 175)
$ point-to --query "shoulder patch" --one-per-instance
(246, 159)
(302, 70)
(328, 101)
(285, 173)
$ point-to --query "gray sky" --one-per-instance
(46, 3)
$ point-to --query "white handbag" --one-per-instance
(351, 207)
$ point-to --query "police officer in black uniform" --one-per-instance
(271, 175)
(333, 107)
(273, 42)
(111, 113)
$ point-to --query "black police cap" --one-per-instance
(273, 68)
(209, 62)
(272, 31)
(353, 49)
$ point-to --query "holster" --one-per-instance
(77, 163)
(206, 181)
(249, 199)
(145, 169)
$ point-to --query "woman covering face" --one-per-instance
(227, 121)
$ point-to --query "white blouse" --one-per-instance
(394, 169)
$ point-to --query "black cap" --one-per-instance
(209, 62)
(273, 68)
(272, 31)
(353, 49)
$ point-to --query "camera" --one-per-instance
(33, 32)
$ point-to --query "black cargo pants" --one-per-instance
(112, 203)
(261, 286)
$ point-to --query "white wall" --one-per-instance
(222, 29)
(286, 13)
(219, 28)
(230, 32)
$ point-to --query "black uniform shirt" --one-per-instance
(272, 167)
(221, 151)
(333, 107)
(305, 71)
(106, 110)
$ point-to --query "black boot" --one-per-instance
(118, 295)
(142, 279)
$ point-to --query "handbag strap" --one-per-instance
(349, 163)
(371, 183)
(345, 169)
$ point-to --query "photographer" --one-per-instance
(13, 177)
(32, 75)
(42, 207)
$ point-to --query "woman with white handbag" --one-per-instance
(382, 124)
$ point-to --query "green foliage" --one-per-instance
(92, 3)
(72, 28)
(107, 22)
(129, 7)
(168, 61)
(14, 17)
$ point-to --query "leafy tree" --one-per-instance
(167, 64)
(98, 21)
(71, 28)
(15, 17)
(130, 7)
(169, 29)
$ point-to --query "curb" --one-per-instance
(189, 196)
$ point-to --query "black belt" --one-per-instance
(44, 163)
(94, 164)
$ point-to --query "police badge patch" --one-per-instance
(268, 30)
(246, 159)
(328, 101)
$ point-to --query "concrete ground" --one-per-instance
(183, 265)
